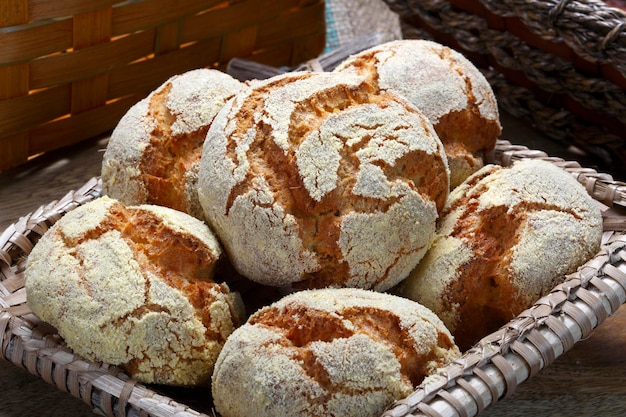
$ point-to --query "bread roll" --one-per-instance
(153, 154)
(329, 352)
(446, 87)
(507, 237)
(318, 180)
(132, 286)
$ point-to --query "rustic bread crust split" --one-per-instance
(507, 236)
(153, 154)
(318, 179)
(132, 286)
(445, 86)
(341, 352)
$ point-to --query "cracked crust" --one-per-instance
(343, 352)
(132, 286)
(507, 236)
(315, 179)
(446, 87)
(154, 151)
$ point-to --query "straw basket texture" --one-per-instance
(484, 375)
(70, 69)
(559, 64)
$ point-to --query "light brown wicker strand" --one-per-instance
(107, 402)
(529, 355)
(492, 388)
(474, 394)
(618, 276)
(86, 387)
(30, 362)
(428, 410)
(495, 387)
(606, 293)
(508, 373)
(601, 307)
(476, 401)
(124, 396)
(458, 406)
(4, 330)
(45, 370)
(562, 332)
(73, 386)
(59, 375)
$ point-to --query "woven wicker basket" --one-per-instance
(559, 64)
(482, 376)
(70, 69)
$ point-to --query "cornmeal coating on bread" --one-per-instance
(329, 352)
(153, 154)
(507, 237)
(319, 180)
(447, 87)
(132, 286)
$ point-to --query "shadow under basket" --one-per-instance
(482, 376)
(557, 64)
(69, 70)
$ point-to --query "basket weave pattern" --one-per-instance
(557, 63)
(484, 375)
(70, 69)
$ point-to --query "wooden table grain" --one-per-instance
(589, 380)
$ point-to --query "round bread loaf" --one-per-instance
(506, 237)
(329, 352)
(132, 286)
(318, 180)
(446, 87)
(153, 154)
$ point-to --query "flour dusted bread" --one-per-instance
(507, 237)
(132, 286)
(446, 87)
(316, 179)
(154, 151)
(329, 352)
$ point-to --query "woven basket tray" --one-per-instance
(484, 375)
(70, 69)
(559, 64)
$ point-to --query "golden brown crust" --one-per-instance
(318, 179)
(154, 151)
(446, 87)
(132, 286)
(507, 236)
(347, 352)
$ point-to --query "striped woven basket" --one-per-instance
(70, 69)
(558, 64)
(485, 374)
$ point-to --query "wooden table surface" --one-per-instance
(589, 380)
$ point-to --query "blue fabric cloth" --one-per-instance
(332, 38)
